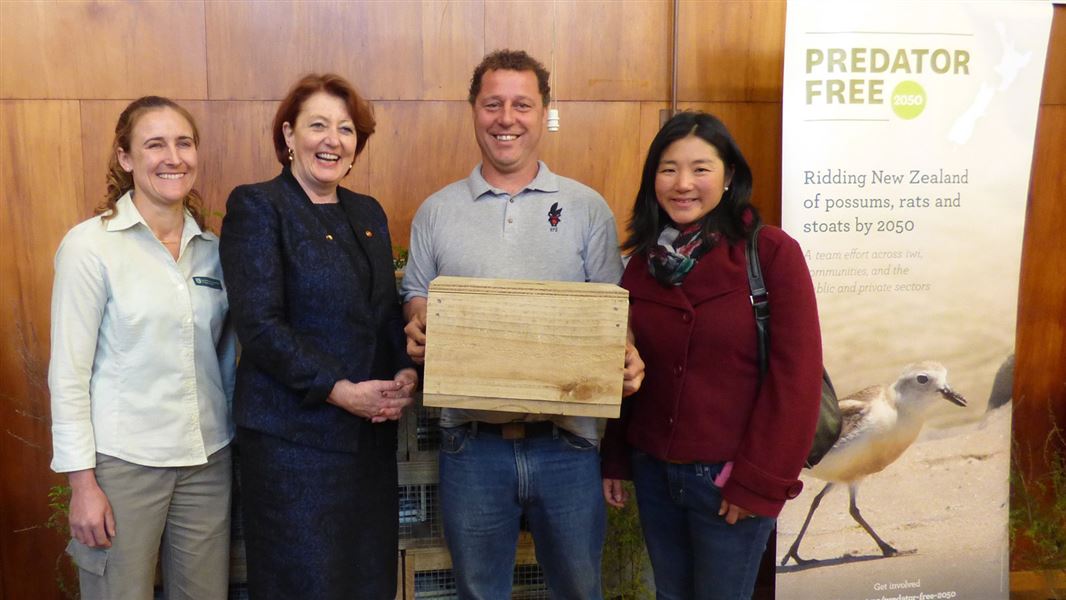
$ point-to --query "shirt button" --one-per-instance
(686, 317)
(510, 220)
(678, 370)
(670, 420)
(511, 200)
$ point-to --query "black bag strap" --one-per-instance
(760, 299)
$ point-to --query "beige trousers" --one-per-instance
(182, 511)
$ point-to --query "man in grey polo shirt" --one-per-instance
(513, 218)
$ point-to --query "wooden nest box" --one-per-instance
(548, 347)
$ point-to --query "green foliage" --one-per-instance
(625, 559)
(59, 521)
(1038, 508)
(399, 257)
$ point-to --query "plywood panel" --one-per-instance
(1054, 91)
(391, 50)
(611, 50)
(1040, 372)
(40, 179)
(731, 51)
(521, 25)
(525, 346)
(452, 44)
(598, 145)
(419, 148)
(235, 148)
(75, 49)
(632, 62)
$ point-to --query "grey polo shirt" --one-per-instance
(555, 229)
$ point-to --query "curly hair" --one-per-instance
(118, 180)
(510, 60)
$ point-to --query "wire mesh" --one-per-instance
(427, 431)
(420, 513)
(439, 584)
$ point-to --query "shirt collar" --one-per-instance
(127, 216)
(545, 181)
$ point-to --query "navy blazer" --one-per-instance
(304, 320)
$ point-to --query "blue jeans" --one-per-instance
(694, 553)
(487, 483)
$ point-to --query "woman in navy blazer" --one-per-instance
(324, 374)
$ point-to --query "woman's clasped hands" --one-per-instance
(377, 400)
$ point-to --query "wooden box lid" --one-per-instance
(550, 347)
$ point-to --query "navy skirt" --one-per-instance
(317, 523)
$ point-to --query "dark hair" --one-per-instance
(510, 60)
(734, 217)
(358, 107)
(118, 180)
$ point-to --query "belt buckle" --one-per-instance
(513, 431)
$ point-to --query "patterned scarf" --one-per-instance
(678, 252)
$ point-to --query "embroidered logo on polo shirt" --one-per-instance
(555, 215)
(210, 282)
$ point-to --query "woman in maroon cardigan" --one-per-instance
(713, 451)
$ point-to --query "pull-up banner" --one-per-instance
(908, 136)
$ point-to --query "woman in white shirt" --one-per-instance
(142, 372)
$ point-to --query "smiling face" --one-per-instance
(322, 141)
(161, 157)
(690, 180)
(509, 117)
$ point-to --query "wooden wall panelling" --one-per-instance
(610, 50)
(452, 44)
(419, 147)
(389, 50)
(756, 127)
(98, 118)
(732, 51)
(1054, 90)
(237, 148)
(40, 176)
(520, 25)
(259, 49)
(102, 49)
(1040, 371)
(598, 145)
(631, 63)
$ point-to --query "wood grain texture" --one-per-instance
(1054, 89)
(1040, 371)
(731, 51)
(609, 50)
(388, 50)
(76, 49)
(521, 25)
(40, 176)
(451, 48)
(525, 346)
(419, 148)
(598, 144)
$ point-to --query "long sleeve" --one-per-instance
(778, 437)
(79, 298)
(250, 250)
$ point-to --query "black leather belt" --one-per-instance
(516, 431)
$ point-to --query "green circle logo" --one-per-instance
(908, 99)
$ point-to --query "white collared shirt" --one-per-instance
(142, 364)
